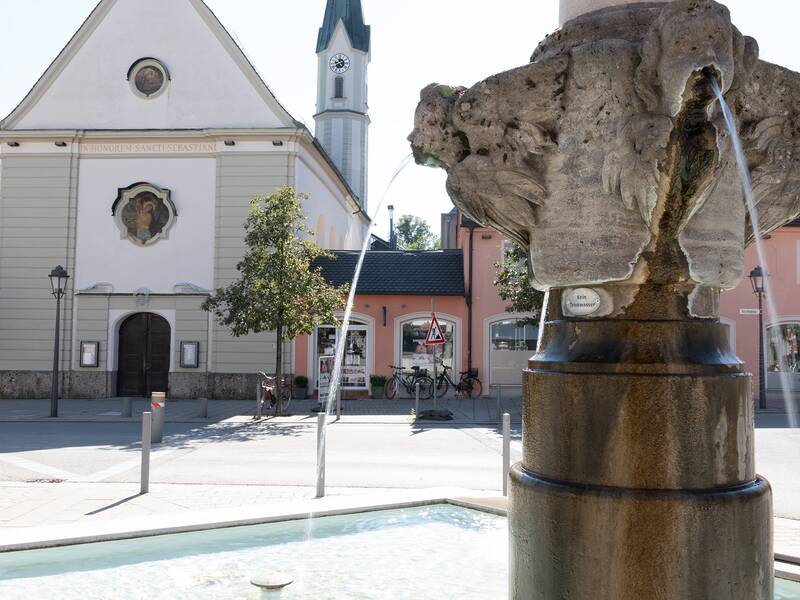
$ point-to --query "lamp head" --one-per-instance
(757, 280)
(58, 281)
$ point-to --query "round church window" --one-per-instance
(148, 77)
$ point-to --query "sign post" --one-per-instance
(434, 338)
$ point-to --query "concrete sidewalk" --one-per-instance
(43, 505)
(485, 410)
(478, 410)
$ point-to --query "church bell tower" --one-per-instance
(342, 122)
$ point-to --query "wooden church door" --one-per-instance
(144, 347)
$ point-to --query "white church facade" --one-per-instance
(131, 163)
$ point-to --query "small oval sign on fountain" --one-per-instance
(582, 302)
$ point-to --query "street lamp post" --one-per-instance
(58, 284)
(757, 282)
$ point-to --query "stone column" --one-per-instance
(637, 479)
(569, 9)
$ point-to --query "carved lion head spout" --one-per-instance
(688, 37)
(607, 157)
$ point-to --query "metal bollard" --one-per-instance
(338, 403)
(416, 401)
(203, 408)
(499, 400)
(158, 405)
(506, 451)
(147, 423)
(321, 454)
(127, 408)
(259, 392)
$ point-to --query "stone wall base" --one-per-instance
(102, 384)
(26, 384)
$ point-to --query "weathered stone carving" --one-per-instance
(607, 156)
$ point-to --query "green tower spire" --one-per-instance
(349, 12)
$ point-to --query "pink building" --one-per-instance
(739, 309)
(399, 290)
(396, 295)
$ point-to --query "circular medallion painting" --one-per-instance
(148, 77)
(149, 80)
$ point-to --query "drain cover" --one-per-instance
(271, 580)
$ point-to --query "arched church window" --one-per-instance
(338, 87)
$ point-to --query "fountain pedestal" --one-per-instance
(637, 478)
(609, 160)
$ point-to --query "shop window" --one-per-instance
(514, 334)
(787, 356)
(414, 352)
(354, 364)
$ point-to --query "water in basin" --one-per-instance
(431, 552)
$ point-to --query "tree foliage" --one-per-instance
(414, 233)
(277, 289)
(514, 285)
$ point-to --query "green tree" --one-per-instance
(277, 289)
(514, 285)
(414, 233)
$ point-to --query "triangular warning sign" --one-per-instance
(435, 335)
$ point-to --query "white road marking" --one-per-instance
(36, 467)
(121, 467)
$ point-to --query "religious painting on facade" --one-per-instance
(149, 80)
(148, 77)
(144, 213)
(145, 216)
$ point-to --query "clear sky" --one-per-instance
(414, 42)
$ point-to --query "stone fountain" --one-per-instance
(608, 159)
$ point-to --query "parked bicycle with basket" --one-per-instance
(408, 380)
(468, 386)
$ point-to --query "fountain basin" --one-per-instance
(434, 551)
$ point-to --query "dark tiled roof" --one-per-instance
(378, 243)
(419, 273)
(467, 222)
(349, 11)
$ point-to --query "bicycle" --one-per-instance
(468, 386)
(269, 398)
(409, 380)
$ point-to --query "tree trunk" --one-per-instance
(279, 371)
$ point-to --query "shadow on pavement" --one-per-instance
(22, 437)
